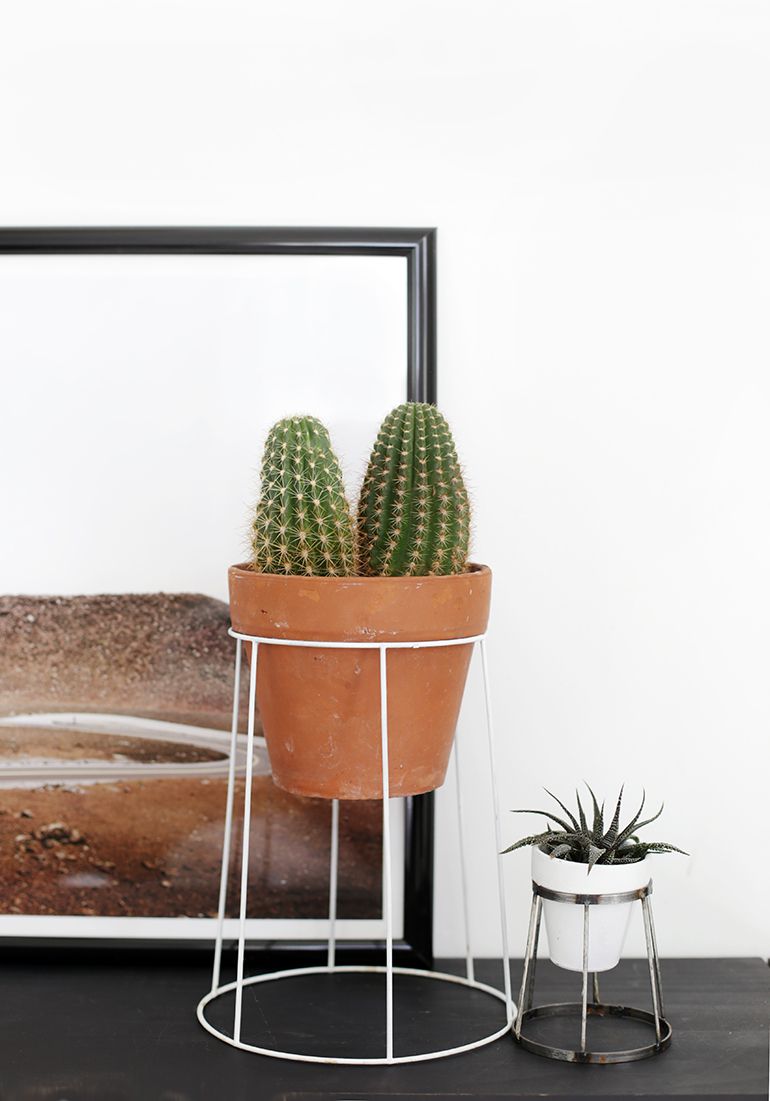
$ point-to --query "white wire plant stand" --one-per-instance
(468, 980)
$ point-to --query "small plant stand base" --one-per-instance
(235, 1039)
(594, 1008)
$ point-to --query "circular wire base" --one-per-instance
(275, 976)
(569, 1009)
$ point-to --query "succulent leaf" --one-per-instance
(595, 853)
(560, 851)
(626, 833)
(569, 814)
(535, 839)
(612, 832)
(598, 824)
(581, 814)
(661, 847)
(548, 815)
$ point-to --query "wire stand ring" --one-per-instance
(468, 981)
(439, 976)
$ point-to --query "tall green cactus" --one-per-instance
(413, 513)
(303, 523)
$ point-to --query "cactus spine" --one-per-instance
(413, 513)
(303, 522)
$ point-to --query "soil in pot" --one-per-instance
(321, 708)
(607, 924)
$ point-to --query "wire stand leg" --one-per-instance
(530, 991)
(651, 962)
(584, 1006)
(386, 856)
(528, 963)
(595, 996)
(245, 844)
(655, 955)
(509, 1007)
(333, 865)
(469, 972)
(225, 873)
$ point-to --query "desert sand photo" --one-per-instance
(115, 717)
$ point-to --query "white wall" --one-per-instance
(599, 174)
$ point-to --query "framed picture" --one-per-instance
(142, 369)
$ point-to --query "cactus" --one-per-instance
(413, 513)
(303, 523)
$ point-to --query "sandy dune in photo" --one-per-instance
(161, 655)
(147, 846)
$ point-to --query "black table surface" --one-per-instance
(112, 1030)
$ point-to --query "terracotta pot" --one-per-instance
(320, 708)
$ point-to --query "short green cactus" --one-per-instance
(303, 523)
(413, 513)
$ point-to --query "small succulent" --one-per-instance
(575, 840)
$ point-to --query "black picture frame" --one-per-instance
(418, 247)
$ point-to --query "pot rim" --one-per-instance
(474, 568)
(361, 609)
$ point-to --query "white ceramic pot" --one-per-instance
(607, 924)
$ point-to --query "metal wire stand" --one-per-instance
(332, 967)
(594, 1008)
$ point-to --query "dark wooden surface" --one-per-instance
(116, 1031)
